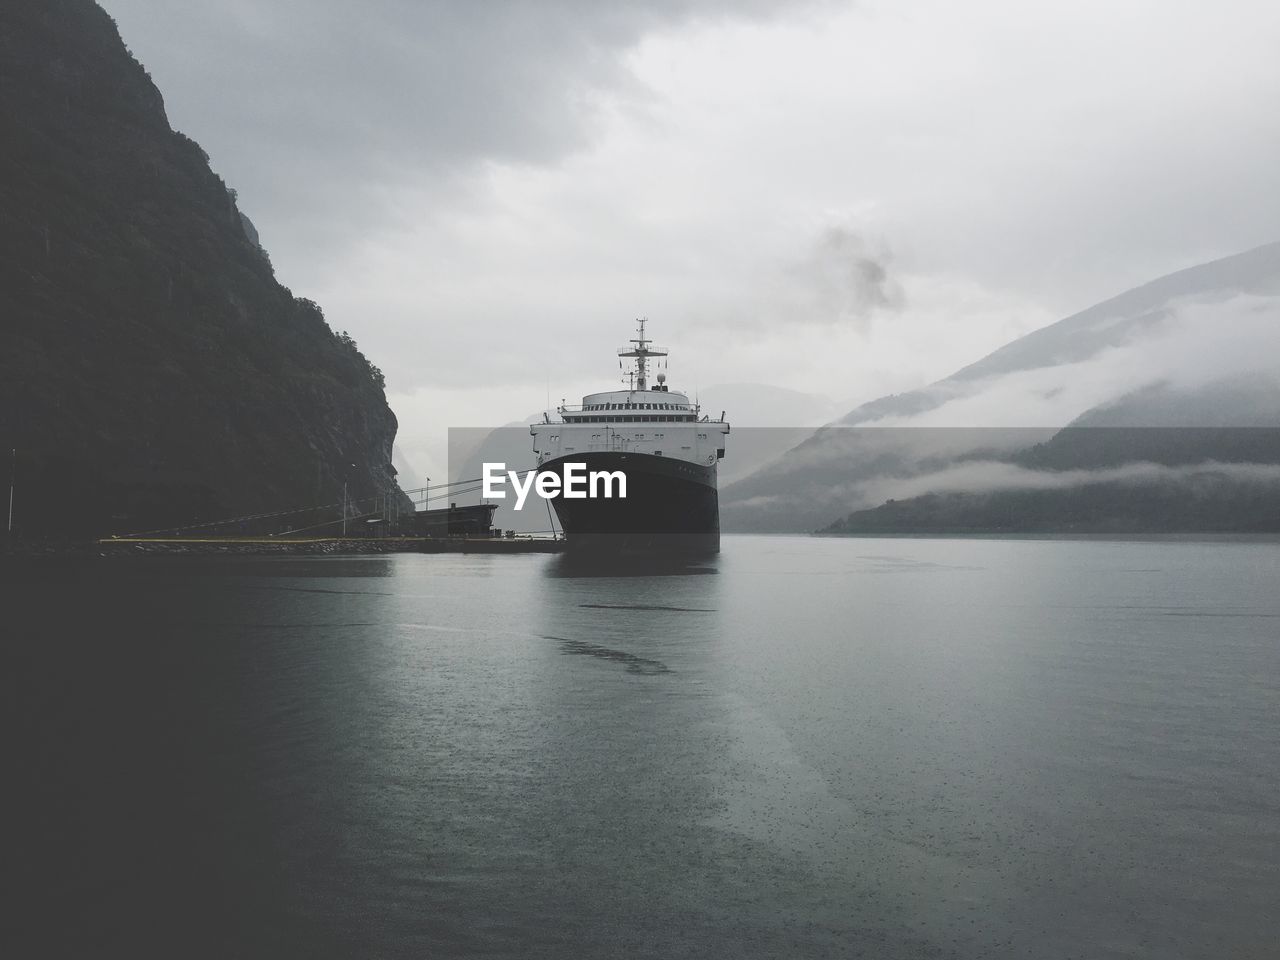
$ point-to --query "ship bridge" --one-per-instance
(645, 418)
(658, 405)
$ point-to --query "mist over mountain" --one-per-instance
(154, 369)
(1180, 371)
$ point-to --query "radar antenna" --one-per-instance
(641, 353)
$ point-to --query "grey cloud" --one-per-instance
(310, 107)
(846, 278)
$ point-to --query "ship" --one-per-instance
(665, 446)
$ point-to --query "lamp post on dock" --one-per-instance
(346, 479)
(13, 480)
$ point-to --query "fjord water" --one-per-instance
(803, 747)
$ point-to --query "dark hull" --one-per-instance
(671, 506)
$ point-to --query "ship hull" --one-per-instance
(671, 506)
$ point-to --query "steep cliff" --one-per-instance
(153, 369)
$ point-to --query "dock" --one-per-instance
(330, 546)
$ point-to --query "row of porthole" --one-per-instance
(678, 418)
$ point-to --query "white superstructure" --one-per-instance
(642, 419)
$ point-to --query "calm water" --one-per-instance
(881, 748)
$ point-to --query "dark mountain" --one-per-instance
(1182, 352)
(153, 368)
(1219, 503)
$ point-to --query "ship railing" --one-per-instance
(580, 408)
(650, 349)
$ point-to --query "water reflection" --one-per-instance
(596, 565)
(633, 663)
(938, 749)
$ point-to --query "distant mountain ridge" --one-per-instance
(836, 469)
(154, 370)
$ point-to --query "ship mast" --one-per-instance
(641, 352)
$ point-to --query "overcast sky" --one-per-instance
(841, 198)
